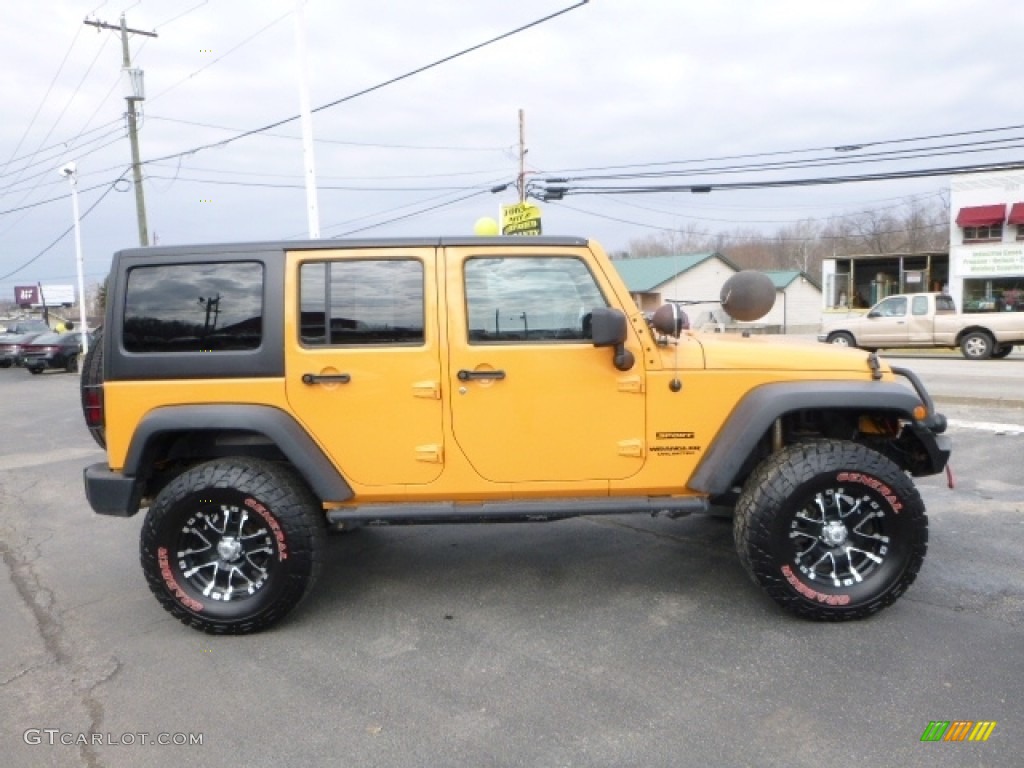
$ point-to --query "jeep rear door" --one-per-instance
(362, 360)
(532, 399)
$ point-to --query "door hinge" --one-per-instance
(431, 390)
(430, 454)
(631, 448)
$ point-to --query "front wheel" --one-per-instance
(230, 546)
(831, 530)
(977, 345)
(842, 339)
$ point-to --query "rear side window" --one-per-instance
(361, 302)
(194, 307)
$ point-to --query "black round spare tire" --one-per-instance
(831, 530)
(231, 546)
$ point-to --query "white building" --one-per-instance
(699, 277)
(986, 241)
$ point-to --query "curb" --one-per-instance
(988, 402)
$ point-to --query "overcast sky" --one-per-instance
(610, 83)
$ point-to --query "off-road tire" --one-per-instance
(231, 546)
(977, 345)
(831, 530)
(92, 377)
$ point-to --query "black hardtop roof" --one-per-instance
(260, 246)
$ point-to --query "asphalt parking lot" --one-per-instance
(621, 641)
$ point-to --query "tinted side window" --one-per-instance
(194, 307)
(361, 302)
(530, 299)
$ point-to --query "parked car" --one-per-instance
(11, 345)
(52, 350)
(27, 326)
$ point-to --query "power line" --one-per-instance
(53, 199)
(747, 220)
(42, 101)
(278, 185)
(63, 147)
(334, 141)
(555, 191)
(372, 88)
(767, 238)
(412, 214)
(222, 56)
(65, 233)
(232, 172)
(774, 153)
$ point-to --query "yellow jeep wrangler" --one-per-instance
(254, 395)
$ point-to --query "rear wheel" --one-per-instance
(35, 371)
(1002, 351)
(977, 345)
(831, 530)
(231, 546)
(71, 364)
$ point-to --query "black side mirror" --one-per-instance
(610, 329)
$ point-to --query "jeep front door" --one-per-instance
(363, 363)
(532, 399)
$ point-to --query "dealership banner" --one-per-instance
(27, 295)
(520, 219)
(54, 295)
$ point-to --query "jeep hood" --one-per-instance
(736, 352)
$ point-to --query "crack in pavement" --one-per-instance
(42, 603)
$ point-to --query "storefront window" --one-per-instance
(994, 294)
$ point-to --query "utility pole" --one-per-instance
(522, 157)
(312, 205)
(134, 92)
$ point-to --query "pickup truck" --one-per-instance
(928, 320)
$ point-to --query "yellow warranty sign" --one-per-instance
(520, 219)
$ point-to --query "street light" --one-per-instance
(70, 170)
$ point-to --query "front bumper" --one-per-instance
(111, 493)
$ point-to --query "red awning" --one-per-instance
(1016, 214)
(981, 216)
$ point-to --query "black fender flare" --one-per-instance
(754, 414)
(273, 423)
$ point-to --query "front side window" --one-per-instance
(194, 307)
(361, 302)
(895, 307)
(530, 299)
